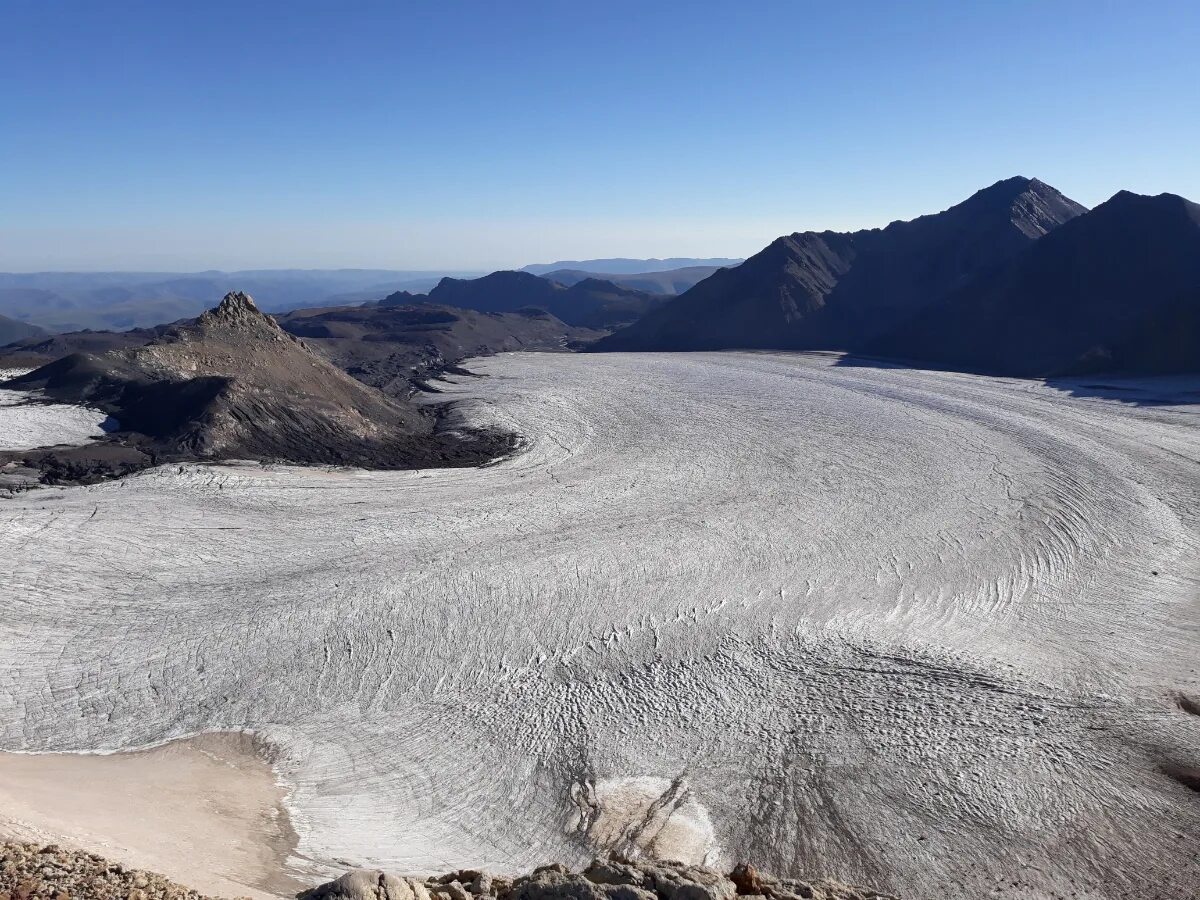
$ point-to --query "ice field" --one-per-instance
(24, 425)
(925, 631)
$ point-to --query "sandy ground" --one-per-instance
(204, 811)
(920, 630)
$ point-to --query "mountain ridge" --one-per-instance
(835, 290)
(1117, 289)
(668, 281)
(590, 302)
(16, 330)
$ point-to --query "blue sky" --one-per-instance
(482, 134)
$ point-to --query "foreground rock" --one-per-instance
(605, 879)
(50, 872)
(37, 871)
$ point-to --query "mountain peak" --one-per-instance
(235, 308)
(1034, 207)
(829, 290)
(1008, 191)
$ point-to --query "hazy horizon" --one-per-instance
(156, 138)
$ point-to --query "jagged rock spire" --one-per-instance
(236, 306)
(236, 309)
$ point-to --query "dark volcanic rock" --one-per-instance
(1117, 289)
(401, 298)
(397, 347)
(828, 290)
(234, 385)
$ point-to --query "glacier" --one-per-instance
(928, 631)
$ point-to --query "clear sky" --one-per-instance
(189, 135)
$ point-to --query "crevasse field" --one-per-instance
(919, 630)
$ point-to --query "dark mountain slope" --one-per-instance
(672, 281)
(397, 346)
(1117, 289)
(234, 385)
(828, 290)
(72, 301)
(12, 330)
(590, 303)
(498, 292)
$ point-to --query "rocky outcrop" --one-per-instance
(234, 385)
(613, 878)
(50, 872)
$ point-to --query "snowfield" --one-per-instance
(924, 631)
(25, 425)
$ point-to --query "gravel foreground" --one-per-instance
(37, 871)
(50, 872)
(612, 878)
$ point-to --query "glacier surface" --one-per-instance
(26, 424)
(926, 631)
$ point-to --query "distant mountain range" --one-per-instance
(14, 330)
(588, 303)
(1018, 280)
(622, 266)
(669, 281)
(71, 301)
